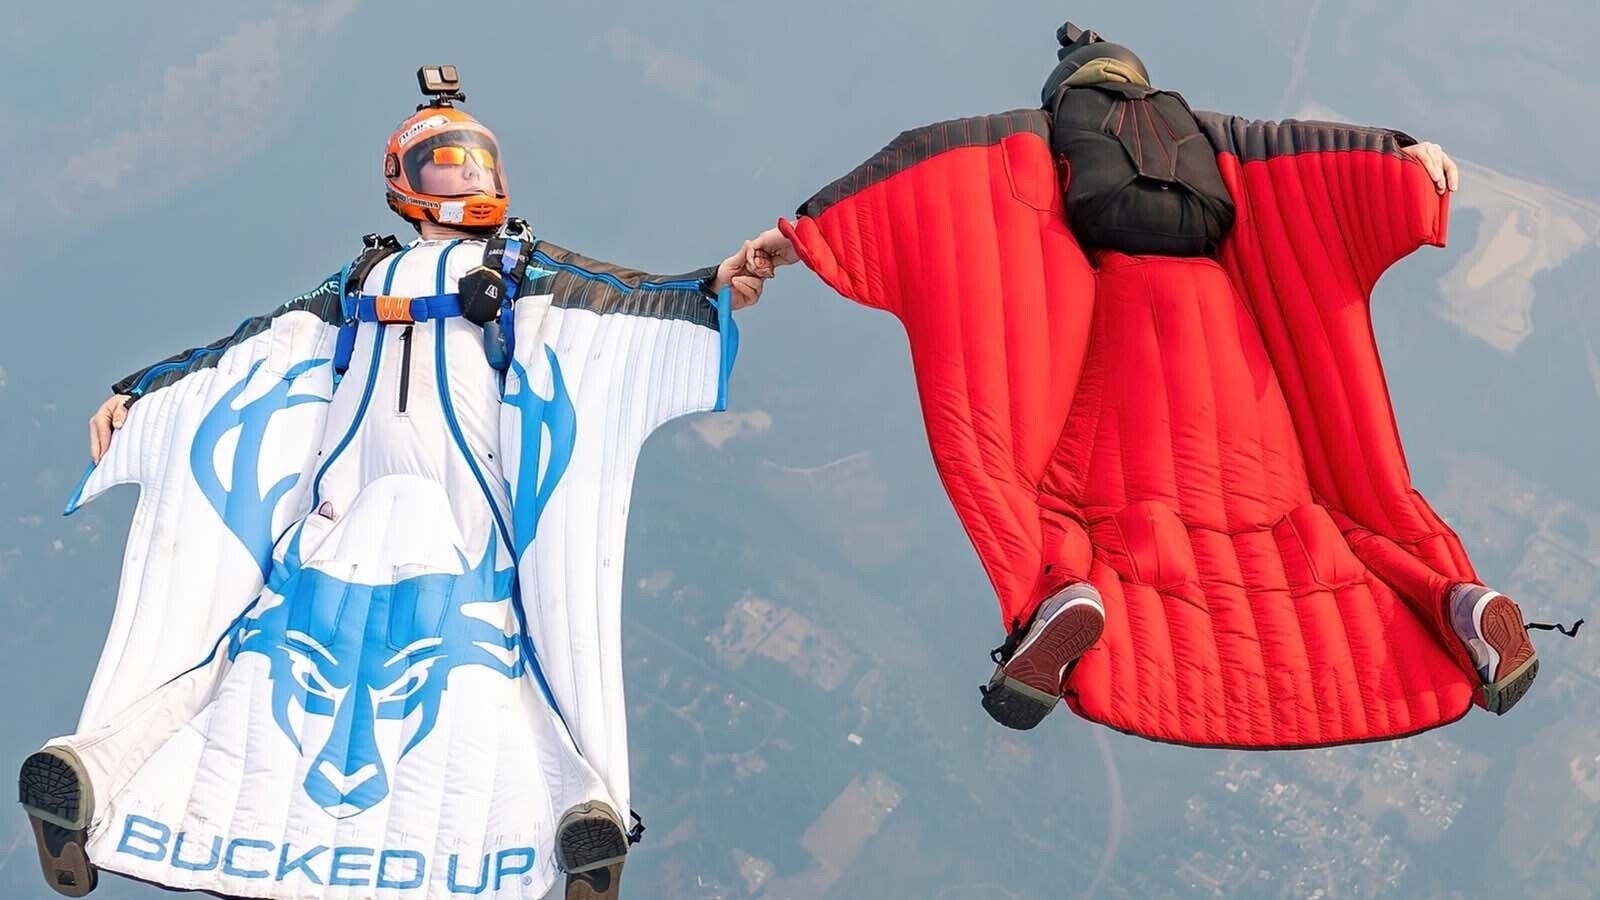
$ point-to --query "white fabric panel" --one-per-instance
(491, 778)
(624, 376)
(184, 575)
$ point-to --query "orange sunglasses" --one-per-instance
(457, 156)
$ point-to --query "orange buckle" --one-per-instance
(393, 310)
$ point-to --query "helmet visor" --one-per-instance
(456, 163)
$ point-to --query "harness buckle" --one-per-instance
(393, 310)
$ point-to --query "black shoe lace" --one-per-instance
(1002, 654)
(1568, 630)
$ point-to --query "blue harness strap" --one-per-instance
(513, 274)
(346, 345)
(392, 310)
(376, 250)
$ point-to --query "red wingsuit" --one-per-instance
(1209, 442)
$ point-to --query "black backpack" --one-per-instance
(1141, 176)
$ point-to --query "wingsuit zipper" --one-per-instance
(405, 367)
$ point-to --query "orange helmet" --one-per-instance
(441, 135)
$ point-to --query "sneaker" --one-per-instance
(1027, 681)
(1491, 627)
(55, 793)
(591, 847)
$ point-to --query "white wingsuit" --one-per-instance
(367, 637)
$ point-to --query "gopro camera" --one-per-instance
(442, 83)
(1070, 35)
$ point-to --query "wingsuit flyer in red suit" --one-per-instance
(1145, 359)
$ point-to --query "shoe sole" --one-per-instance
(604, 883)
(1503, 630)
(55, 795)
(1020, 694)
(589, 838)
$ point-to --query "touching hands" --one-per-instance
(769, 250)
(756, 261)
(734, 272)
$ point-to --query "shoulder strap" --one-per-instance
(509, 254)
(376, 250)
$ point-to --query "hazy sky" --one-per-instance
(176, 166)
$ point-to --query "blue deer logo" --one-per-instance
(363, 653)
(244, 507)
(555, 415)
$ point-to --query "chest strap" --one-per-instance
(390, 310)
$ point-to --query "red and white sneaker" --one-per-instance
(1027, 681)
(1491, 627)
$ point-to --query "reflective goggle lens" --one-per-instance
(456, 156)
